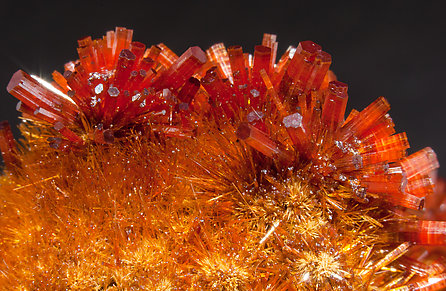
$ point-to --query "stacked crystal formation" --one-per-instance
(290, 114)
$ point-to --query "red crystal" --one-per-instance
(425, 232)
(67, 133)
(262, 59)
(138, 49)
(219, 93)
(8, 146)
(153, 53)
(269, 40)
(182, 69)
(239, 70)
(366, 119)
(219, 56)
(189, 90)
(35, 95)
(126, 62)
(260, 141)
(300, 67)
(118, 41)
(320, 71)
(334, 105)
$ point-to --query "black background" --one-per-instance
(391, 49)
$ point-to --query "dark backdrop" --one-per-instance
(391, 49)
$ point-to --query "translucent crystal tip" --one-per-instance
(199, 54)
(15, 80)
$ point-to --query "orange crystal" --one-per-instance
(334, 105)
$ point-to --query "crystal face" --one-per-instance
(215, 169)
(293, 120)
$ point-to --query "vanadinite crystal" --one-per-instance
(114, 84)
(212, 170)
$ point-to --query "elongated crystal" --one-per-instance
(397, 142)
(238, 67)
(335, 104)
(406, 200)
(138, 49)
(282, 65)
(415, 266)
(420, 186)
(219, 55)
(420, 163)
(261, 62)
(269, 40)
(79, 92)
(86, 54)
(383, 128)
(350, 116)
(153, 52)
(189, 90)
(183, 68)
(99, 50)
(67, 133)
(425, 232)
(173, 131)
(321, 65)
(61, 82)
(273, 94)
(300, 66)
(366, 119)
(388, 149)
(122, 40)
(259, 140)
(126, 62)
(36, 95)
(296, 131)
(219, 93)
(108, 50)
(262, 59)
(390, 183)
(38, 114)
(166, 56)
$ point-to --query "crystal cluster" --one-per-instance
(115, 83)
(213, 170)
(363, 152)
